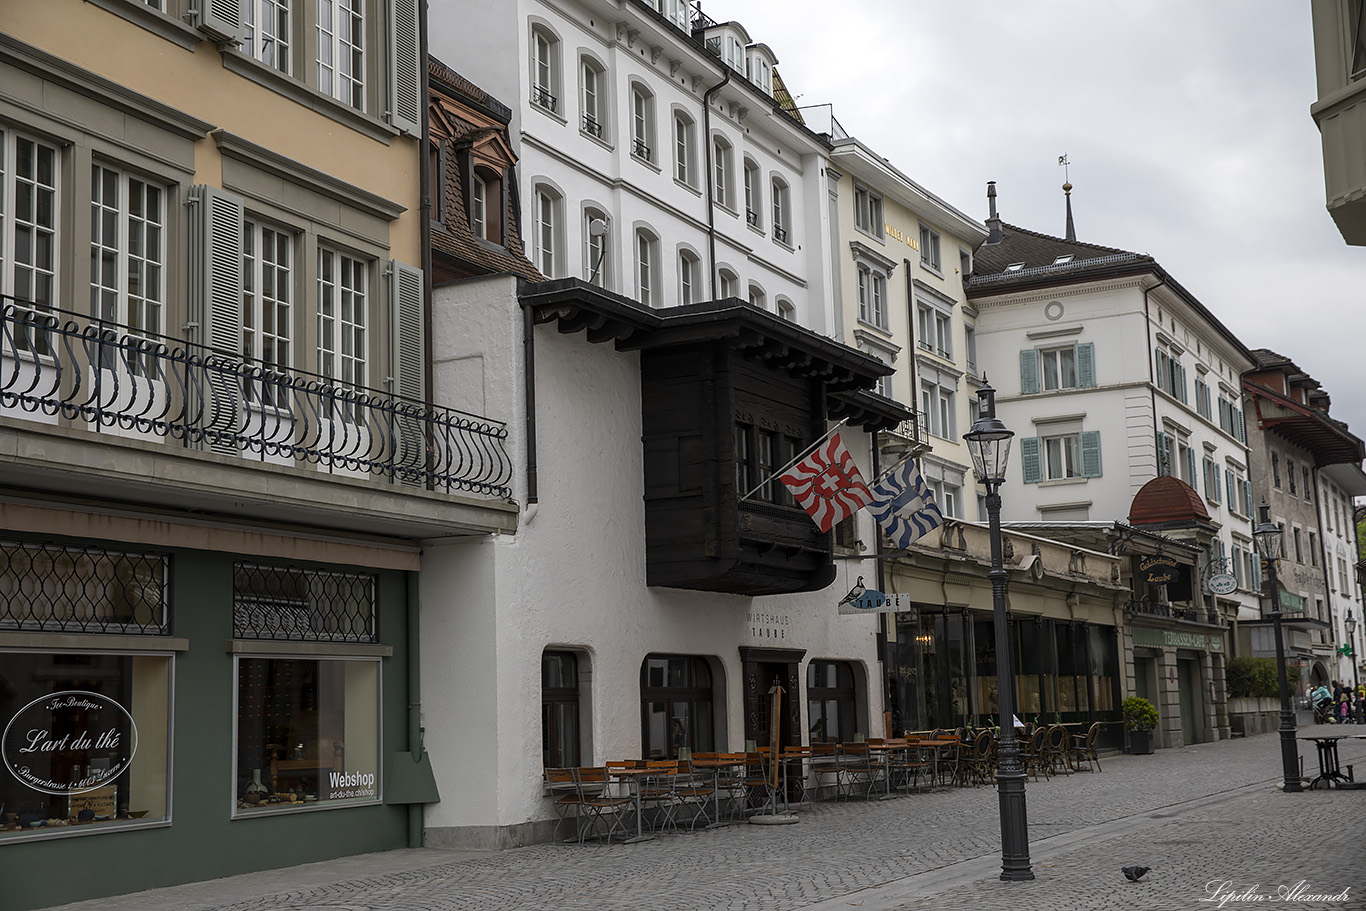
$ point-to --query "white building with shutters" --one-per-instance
(219, 453)
(660, 156)
(1111, 373)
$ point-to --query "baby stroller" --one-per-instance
(1325, 712)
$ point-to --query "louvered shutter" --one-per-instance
(1090, 454)
(216, 309)
(1160, 357)
(1030, 462)
(1182, 390)
(221, 18)
(1256, 573)
(405, 68)
(1218, 488)
(1194, 475)
(1242, 426)
(1164, 466)
(409, 370)
(1029, 371)
(1086, 365)
(1228, 485)
(1247, 498)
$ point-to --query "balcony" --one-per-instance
(1150, 608)
(640, 150)
(592, 127)
(99, 409)
(540, 96)
(1340, 113)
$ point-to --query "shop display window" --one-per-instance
(85, 742)
(307, 733)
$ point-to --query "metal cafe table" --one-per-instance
(633, 776)
(1330, 769)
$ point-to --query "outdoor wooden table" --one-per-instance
(633, 776)
(716, 765)
(936, 744)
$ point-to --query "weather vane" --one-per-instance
(1064, 163)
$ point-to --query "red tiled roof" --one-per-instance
(1164, 500)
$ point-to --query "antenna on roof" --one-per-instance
(1071, 233)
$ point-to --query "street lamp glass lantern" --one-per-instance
(989, 439)
(1351, 624)
(1267, 536)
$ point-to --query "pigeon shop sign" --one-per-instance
(69, 742)
(1159, 570)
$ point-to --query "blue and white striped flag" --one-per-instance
(904, 506)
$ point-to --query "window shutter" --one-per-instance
(1086, 365)
(215, 307)
(1242, 426)
(1182, 391)
(1218, 488)
(1029, 371)
(1090, 454)
(221, 18)
(1247, 498)
(1030, 462)
(1164, 466)
(1194, 475)
(1228, 485)
(1256, 573)
(1160, 357)
(405, 69)
(408, 366)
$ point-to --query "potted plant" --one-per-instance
(1140, 717)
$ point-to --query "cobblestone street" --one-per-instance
(1208, 814)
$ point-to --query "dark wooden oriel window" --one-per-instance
(830, 701)
(759, 453)
(559, 709)
(676, 706)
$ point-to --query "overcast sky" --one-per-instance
(1187, 125)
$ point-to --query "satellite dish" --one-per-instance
(597, 227)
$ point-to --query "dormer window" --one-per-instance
(759, 68)
(486, 204)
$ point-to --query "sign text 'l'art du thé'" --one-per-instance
(69, 742)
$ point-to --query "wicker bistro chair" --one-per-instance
(975, 765)
(597, 803)
(907, 764)
(1058, 760)
(1083, 749)
(946, 759)
(1033, 753)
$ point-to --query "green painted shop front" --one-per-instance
(266, 700)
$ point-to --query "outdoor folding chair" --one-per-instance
(564, 790)
(759, 781)
(825, 763)
(694, 793)
(858, 769)
(795, 760)
(731, 784)
(596, 802)
(658, 790)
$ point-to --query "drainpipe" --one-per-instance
(415, 810)
(711, 175)
(529, 356)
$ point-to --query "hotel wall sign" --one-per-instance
(69, 742)
(1221, 584)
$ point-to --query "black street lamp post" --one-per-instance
(989, 442)
(1268, 538)
(1351, 624)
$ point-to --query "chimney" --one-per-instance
(995, 234)
(1071, 229)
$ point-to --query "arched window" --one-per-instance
(753, 198)
(676, 710)
(549, 231)
(545, 69)
(830, 701)
(685, 151)
(596, 243)
(723, 190)
(730, 284)
(560, 699)
(787, 310)
(757, 298)
(642, 122)
(689, 278)
(647, 268)
(782, 214)
(593, 98)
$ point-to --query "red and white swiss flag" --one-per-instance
(827, 484)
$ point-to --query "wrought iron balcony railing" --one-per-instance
(540, 95)
(640, 149)
(592, 127)
(1156, 609)
(59, 366)
(780, 234)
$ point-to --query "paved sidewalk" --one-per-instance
(1199, 817)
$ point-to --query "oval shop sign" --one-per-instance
(69, 742)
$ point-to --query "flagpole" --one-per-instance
(803, 454)
(880, 478)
